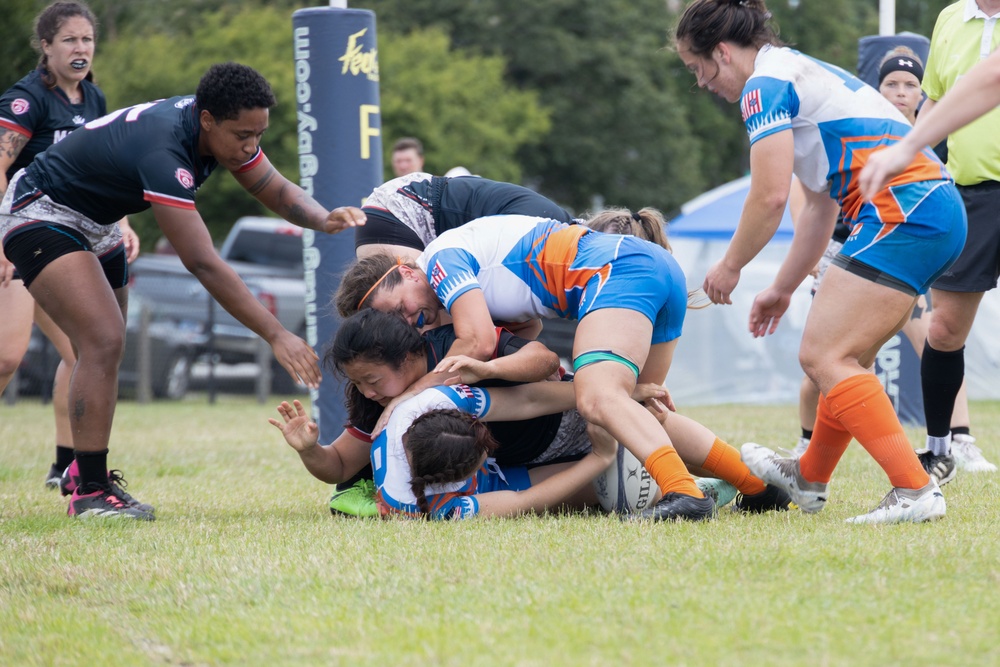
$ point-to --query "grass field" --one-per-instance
(246, 566)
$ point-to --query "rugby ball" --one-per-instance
(625, 486)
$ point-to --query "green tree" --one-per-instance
(135, 69)
(621, 129)
(16, 30)
(457, 103)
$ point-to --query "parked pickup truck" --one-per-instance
(267, 255)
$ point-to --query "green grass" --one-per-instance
(246, 566)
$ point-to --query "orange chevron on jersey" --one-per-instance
(923, 168)
(558, 248)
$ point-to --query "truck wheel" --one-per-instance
(176, 378)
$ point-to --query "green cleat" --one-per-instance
(721, 491)
(356, 500)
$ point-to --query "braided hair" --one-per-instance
(444, 446)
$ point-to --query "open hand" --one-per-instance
(301, 432)
(469, 369)
(298, 358)
(654, 396)
(342, 218)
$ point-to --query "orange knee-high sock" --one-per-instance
(863, 408)
(829, 442)
(725, 463)
(670, 473)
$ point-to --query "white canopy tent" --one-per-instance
(718, 361)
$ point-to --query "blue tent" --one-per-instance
(715, 214)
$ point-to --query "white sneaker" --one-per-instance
(968, 456)
(784, 473)
(902, 505)
(800, 448)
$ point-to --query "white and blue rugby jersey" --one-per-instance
(392, 471)
(527, 267)
(837, 120)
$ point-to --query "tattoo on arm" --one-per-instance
(264, 181)
(11, 144)
(297, 211)
(299, 216)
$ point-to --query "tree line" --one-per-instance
(583, 100)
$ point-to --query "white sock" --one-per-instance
(941, 446)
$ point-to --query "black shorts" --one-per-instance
(35, 248)
(978, 267)
(871, 274)
(385, 228)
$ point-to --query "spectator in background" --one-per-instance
(54, 99)
(963, 36)
(407, 156)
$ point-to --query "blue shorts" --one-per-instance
(919, 250)
(517, 479)
(644, 277)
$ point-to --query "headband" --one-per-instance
(901, 64)
(399, 263)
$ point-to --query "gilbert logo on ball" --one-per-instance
(625, 486)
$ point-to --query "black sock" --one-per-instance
(807, 434)
(93, 468)
(941, 376)
(961, 430)
(64, 456)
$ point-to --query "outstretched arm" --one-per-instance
(975, 93)
(293, 203)
(333, 463)
(186, 231)
(557, 488)
(531, 363)
(526, 401)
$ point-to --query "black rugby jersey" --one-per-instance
(455, 201)
(520, 441)
(45, 115)
(121, 163)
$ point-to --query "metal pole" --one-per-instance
(887, 17)
(144, 358)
